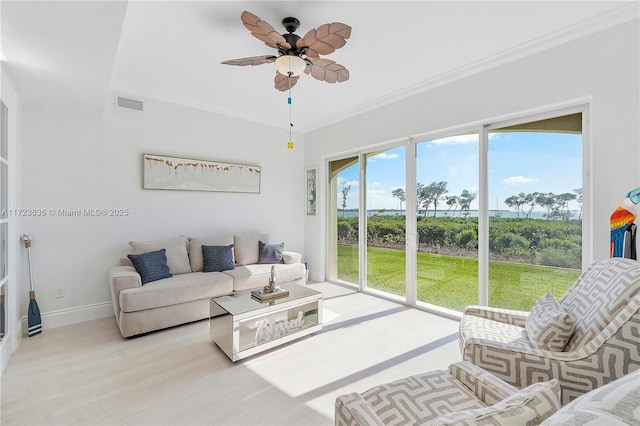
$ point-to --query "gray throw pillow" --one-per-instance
(152, 266)
(270, 253)
(217, 258)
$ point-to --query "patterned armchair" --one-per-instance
(598, 316)
(464, 394)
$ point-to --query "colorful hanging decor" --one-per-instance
(623, 228)
(290, 143)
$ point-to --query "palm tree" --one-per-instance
(547, 201)
(452, 201)
(345, 191)
(466, 198)
(420, 197)
(436, 190)
(531, 200)
(516, 202)
(400, 195)
(578, 192)
(563, 205)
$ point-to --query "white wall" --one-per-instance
(76, 160)
(603, 66)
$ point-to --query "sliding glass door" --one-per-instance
(385, 198)
(496, 213)
(344, 220)
(447, 221)
(535, 226)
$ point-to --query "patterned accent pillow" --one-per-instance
(270, 253)
(529, 406)
(549, 326)
(217, 258)
(152, 266)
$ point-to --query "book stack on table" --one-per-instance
(262, 296)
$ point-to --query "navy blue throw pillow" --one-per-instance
(152, 266)
(270, 253)
(217, 258)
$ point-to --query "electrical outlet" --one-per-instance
(59, 292)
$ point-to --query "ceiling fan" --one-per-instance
(297, 54)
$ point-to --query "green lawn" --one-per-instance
(452, 282)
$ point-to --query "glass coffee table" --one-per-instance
(242, 326)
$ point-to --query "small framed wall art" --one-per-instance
(311, 195)
(161, 172)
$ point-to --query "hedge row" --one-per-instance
(544, 242)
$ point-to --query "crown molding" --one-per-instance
(625, 13)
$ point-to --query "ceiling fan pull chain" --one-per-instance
(290, 144)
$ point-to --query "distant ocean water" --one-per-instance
(472, 213)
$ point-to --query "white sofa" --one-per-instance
(184, 297)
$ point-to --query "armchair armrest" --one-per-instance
(353, 410)
(487, 387)
(122, 278)
(291, 257)
(506, 316)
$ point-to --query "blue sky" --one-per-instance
(518, 162)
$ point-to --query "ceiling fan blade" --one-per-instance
(252, 60)
(284, 83)
(327, 70)
(263, 31)
(326, 39)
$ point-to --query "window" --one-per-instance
(344, 229)
(535, 227)
(496, 212)
(447, 221)
(385, 197)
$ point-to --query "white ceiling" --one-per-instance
(83, 52)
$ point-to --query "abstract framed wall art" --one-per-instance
(312, 182)
(161, 172)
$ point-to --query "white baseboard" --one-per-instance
(69, 316)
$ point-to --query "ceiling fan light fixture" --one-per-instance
(290, 65)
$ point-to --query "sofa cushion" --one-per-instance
(178, 289)
(177, 257)
(530, 405)
(486, 386)
(270, 253)
(249, 277)
(151, 266)
(195, 248)
(246, 248)
(548, 326)
(217, 258)
(419, 399)
(611, 404)
(352, 409)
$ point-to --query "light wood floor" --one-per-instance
(88, 374)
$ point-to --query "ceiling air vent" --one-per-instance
(129, 103)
